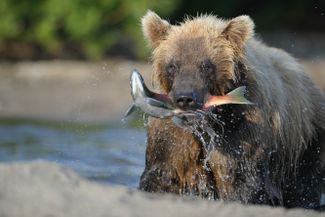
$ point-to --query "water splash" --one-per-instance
(201, 125)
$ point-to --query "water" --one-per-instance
(109, 154)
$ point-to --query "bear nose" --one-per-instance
(186, 101)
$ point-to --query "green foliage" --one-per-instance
(95, 28)
(92, 27)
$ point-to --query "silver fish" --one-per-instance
(161, 106)
(153, 104)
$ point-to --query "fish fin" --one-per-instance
(157, 103)
(130, 110)
(238, 95)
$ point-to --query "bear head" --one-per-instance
(198, 57)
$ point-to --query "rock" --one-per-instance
(46, 189)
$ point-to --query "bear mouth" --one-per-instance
(163, 105)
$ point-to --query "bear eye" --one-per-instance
(206, 66)
(171, 68)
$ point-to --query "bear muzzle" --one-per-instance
(189, 100)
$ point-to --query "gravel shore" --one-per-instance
(43, 189)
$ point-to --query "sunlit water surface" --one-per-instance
(105, 153)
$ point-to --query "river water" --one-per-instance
(106, 153)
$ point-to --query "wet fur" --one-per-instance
(269, 153)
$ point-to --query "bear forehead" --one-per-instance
(199, 26)
(188, 50)
(192, 40)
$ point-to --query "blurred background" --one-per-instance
(64, 69)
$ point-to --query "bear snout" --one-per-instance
(189, 100)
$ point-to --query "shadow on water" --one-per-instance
(101, 152)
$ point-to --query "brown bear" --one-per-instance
(271, 152)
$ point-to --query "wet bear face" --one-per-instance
(196, 58)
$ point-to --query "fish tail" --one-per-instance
(130, 110)
(238, 96)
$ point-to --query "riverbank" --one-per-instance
(72, 91)
(41, 188)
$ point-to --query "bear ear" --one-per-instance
(154, 28)
(239, 30)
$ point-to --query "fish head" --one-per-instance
(151, 103)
